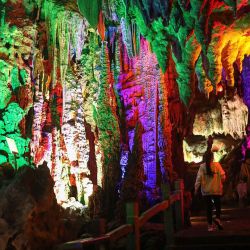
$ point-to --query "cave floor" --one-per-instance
(236, 233)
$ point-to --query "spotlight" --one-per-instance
(219, 88)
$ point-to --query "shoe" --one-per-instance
(211, 228)
(218, 223)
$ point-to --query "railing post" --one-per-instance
(102, 231)
(132, 212)
(179, 205)
(168, 216)
(102, 226)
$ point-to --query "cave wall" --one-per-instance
(78, 78)
(113, 98)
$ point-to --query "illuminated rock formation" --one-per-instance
(93, 90)
(139, 92)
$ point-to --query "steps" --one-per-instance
(219, 242)
(237, 246)
(236, 233)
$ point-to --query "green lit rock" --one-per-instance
(5, 92)
(4, 150)
(6, 155)
(2, 128)
(15, 83)
(29, 6)
(156, 35)
(3, 159)
(12, 116)
(21, 143)
(21, 162)
(5, 95)
(90, 10)
(24, 75)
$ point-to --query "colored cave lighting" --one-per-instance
(219, 88)
(140, 102)
(77, 78)
(209, 122)
(194, 151)
(124, 162)
(246, 80)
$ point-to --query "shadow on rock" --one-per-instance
(30, 217)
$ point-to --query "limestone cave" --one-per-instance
(105, 103)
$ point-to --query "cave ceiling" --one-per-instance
(204, 36)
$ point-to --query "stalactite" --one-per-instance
(101, 26)
(149, 120)
(64, 29)
(232, 108)
(208, 122)
(226, 47)
(221, 119)
(126, 36)
(131, 37)
(90, 79)
(64, 43)
(90, 10)
(108, 132)
(118, 98)
(191, 28)
(156, 35)
(165, 127)
(73, 130)
(194, 150)
(246, 80)
(204, 84)
(139, 96)
(185, 68)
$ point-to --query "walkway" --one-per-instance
(236, 233)
(235, 236)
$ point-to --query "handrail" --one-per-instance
(175, 197)
(112, 236)
(92, 240)
(153, 211)
(77, 244)
(127, 229)
(120, 232)
(158, 208)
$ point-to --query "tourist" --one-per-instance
(242, 191)
(210, 178)
(245, 171)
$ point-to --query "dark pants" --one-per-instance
(209, 202)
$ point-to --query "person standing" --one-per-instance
(242, 191)
(245, 172)
(210, 178)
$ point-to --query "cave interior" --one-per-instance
(103, 101)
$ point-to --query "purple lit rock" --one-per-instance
(139, 94)
(246, 80)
